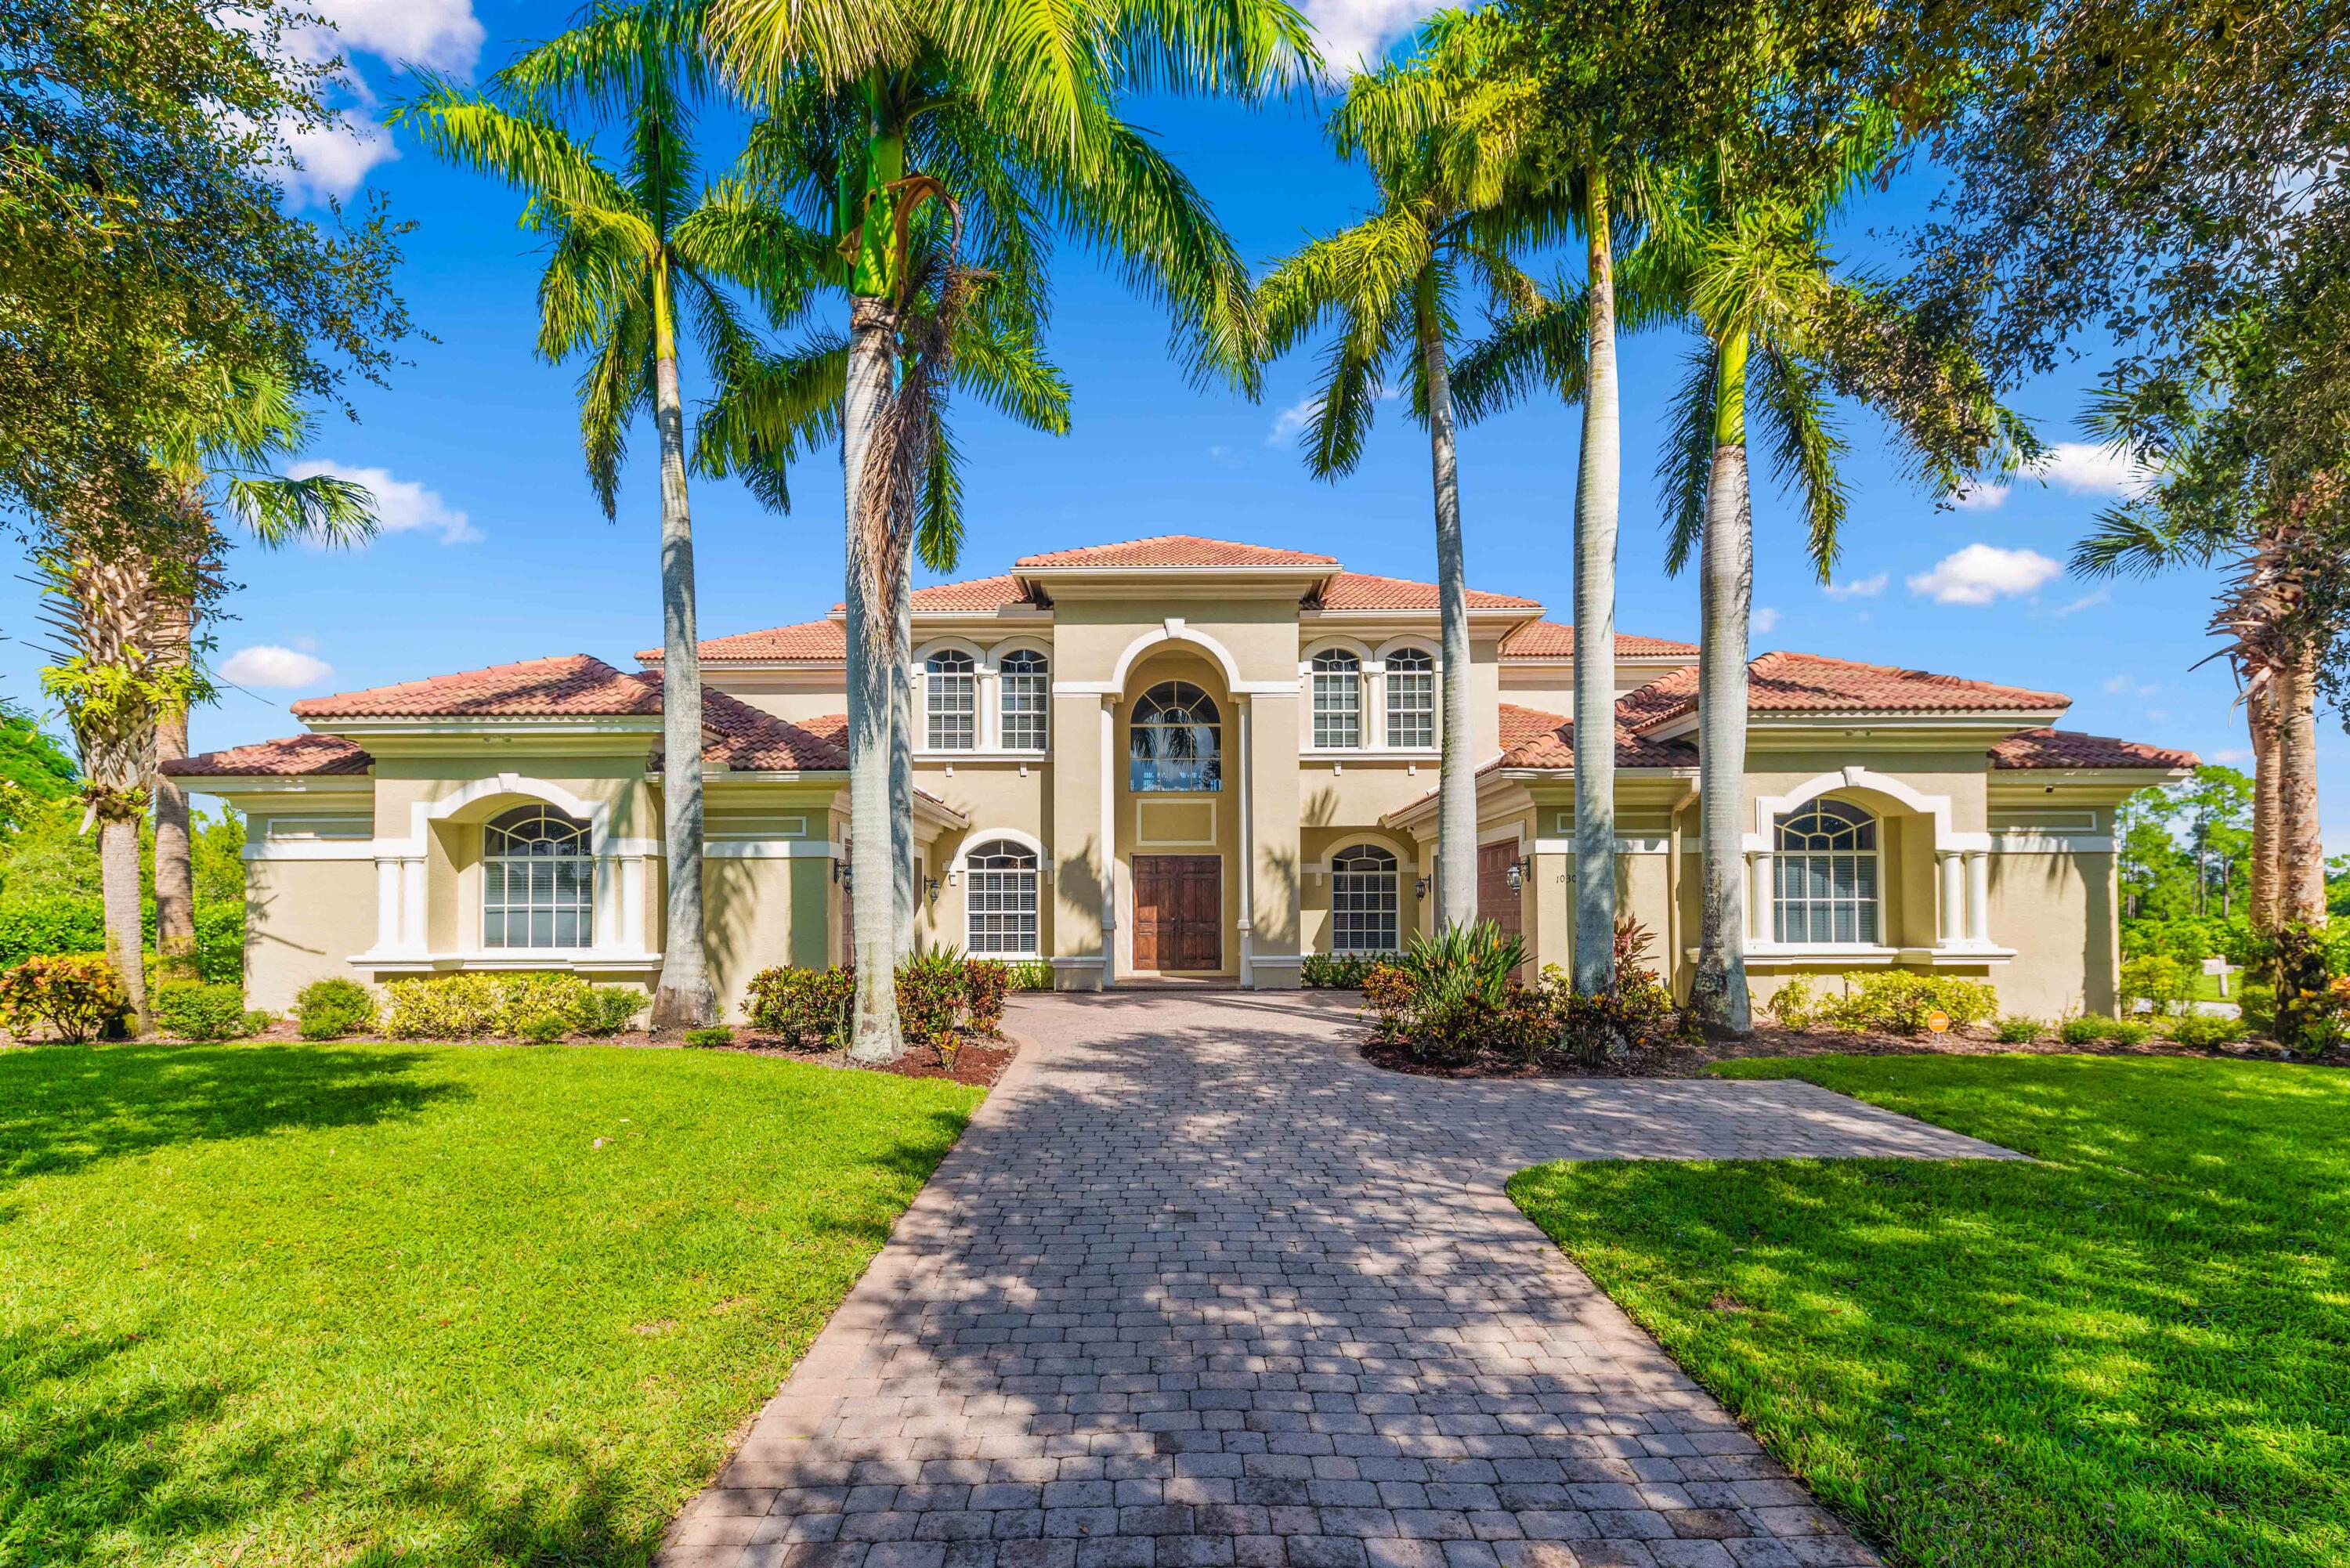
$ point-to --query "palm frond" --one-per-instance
(1685, 459)
(734, 235)
(612, 59)
(771, 410)
(1805, 446)
(1526, 351)
(765, 47)
(534, 155)
(320, 510)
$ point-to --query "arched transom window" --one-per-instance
(1824, 879)
(538, 881)
(1000, 900)
(1412, 697)
(1177, 741)
(1023, 698)
(951, 701)
(1337, 699)
(1363, 901)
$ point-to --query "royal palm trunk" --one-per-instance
(874, 1035)
(684, 999)
(2260, 715)
(1456, 782)
(901, 744)
(2300, 848)
(1597, 480)
(1726, 585)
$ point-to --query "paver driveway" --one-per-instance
(1201, 1287)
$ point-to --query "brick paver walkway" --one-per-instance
(1200, 1289)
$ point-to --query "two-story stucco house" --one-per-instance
(1177, 757)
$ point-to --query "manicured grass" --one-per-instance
(422, 1305)
(2134, 1352)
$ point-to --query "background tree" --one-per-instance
(635, 256)
(1014, 110)
(1455, 199)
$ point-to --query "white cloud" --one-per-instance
(278, 669)
(2086, 469)
(1355, 33)
(1292, 420)
(2231, 755)
(332, 160)
(1981, 573)
(1765, 620)
(402, 505)
(1859, 588)
(441, 35)
(1978, 497)
(2093, 597)
(2124, 686)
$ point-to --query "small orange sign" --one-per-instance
(1939, 1022)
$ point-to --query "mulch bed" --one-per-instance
(976, 1065)
(1770, 1040)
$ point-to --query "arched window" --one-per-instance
(1337, 699)
(1000, 900)
(1363, 901)
(1412, 697)
(1824, 881)
(1177, 741)
(951, 700)
(538, 881)
(1023, 698)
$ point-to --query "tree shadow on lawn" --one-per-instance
(2126, 1353)
(65, 1108)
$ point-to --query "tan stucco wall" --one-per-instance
(302, 920)
(760, 914)
(2060, 913)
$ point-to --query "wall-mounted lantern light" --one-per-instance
(1516, 875)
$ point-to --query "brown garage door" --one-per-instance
(1179, 912)
(1496, 902)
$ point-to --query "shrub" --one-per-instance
(469, 1006)
(986, 982)
(2204, 1030)
(1460, 984)
(2159, 980)
(2257, 1002)
(1337, 972)
(329, 1009)
(1031, 974)
(2130, 1031)
(2017, 1030)
(256, 1022)
(442, 1007)
(2308, 999)
(78, 995)
(714, 1037)
(2093, 1029)
(49, 924)
(191, 1010)
(930, 992)
(800, 1006)
(607, 1010)
(1897, 1001)
(542, 1028)
(1795, 1005)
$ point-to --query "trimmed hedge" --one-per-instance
(530, 1005)
(192, 1010)
(35, 925)
(330, 1009)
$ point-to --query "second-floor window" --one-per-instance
(1337, 700)
(1177, 741)
(1022, 696)
(1412, 697)
(951, 701)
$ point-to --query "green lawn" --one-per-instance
(422, 1305)
(2134, 1352)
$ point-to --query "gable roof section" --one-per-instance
(1363, 591)
(571, 686)
(1175, 550)
(1552, 639)
(809, 642)
(1532, 738)
(2071, 749)
(296, 756)
(1815, 683)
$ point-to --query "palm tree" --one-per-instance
(1749, 267)
(1452, 204)
(631, 253)
(1012, 108)
(216, 454)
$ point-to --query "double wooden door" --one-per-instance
(1179, 912)
(1495, 900)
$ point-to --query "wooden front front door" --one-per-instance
(1496, 902)
(1179, 912)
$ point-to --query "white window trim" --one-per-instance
(1387, 650)
(1310, 676)
(1781, 856)
(980, 740)
(960, 867)
(992, 695)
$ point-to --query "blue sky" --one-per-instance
(495, 550)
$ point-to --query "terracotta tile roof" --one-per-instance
(296, 757)
(810, 642)
(571, 686)
(1550, 639)
(979, 594)
(1532, 738)
(1813, 683)
(2071, 749)
(1361, 590)
(1176, 550)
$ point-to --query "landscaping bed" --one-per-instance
(2132, 1349)
(346, 1302)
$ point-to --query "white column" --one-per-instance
(386, 905)
(1108, 842)
(1979, 898)
(1247, 850)
(1759, 907)
(1954, 898)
